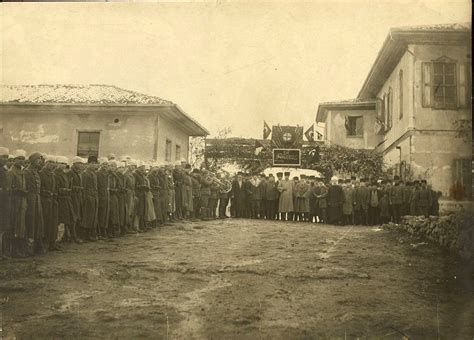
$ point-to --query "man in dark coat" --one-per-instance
(178, 179)
(155, 190)
(164, 195)
(114, 212)
(4, 205)
(205, 194)
(396, 200)
(196, 185)
(272, 196)
(66, 212)
(90, 201)
(49, 203)
(424, 199)
(16, 186)
(362, 201)
(224, 195)
(75, 177)
(238, 196)
(142, 187)
(34, 211)
(335, 199)
(104, 200)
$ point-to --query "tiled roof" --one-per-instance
(436, 27)
(349, 102)
(74, 94)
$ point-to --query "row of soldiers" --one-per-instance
(96, 198)
(349, 201)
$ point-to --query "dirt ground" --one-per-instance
(240, 279)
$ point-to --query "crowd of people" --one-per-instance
(96, 199)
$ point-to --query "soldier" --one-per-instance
(321, 192)
(164, 195)
(142, 187)
(16, 186)
(205, 194)
(196, 184)
(122, 197)
(396, 200)
(49, 203)
(362, 199)
(171, 194)
(263, 203)
(66, 212)
(178, 179)
(75, 178)
(131, 199)
(90, 200)
(155, 190)
(34, 210)
(188, 208)
(213, 199)
(348, 205)
(104, 198)
(113, 229)
(4, 204)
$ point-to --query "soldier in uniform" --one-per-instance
(362, 199)
(385, 202)
(164, 195)
(154, 179)
(16, 186)
(178, 179)
(113, 229)
(66, 212)
(424, 200)
(90, 200)
(205, 194)
(271, 198)
(188, 208)
(142, 187)
(49, 203)
(34, 210)
(104, 198)
(75, 178)
(130, 198)
(301, 206)
(4, 205)
(321, 193)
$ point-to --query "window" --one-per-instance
(440, 84)
(168, 151)
(400, 95)
(354, 126)
(178, 153)
(88, 144)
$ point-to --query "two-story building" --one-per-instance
(414, 106)
(96, 120)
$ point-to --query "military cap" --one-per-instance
(92, 159)
(77, 159)
(62, 159)
(19, 153)
(50, 158)
(287, 173)
(295, 178)
(34, 156)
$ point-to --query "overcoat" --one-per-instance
(49, 203)
(348, 205)
(34, 210)
(285, 187)
(104, 198)
(90, 208)
(302, 193)
(16, 186)
(66, 212)
(77, 192)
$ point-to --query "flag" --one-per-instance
(309, 134)
(319, 136)
(287, 137)
(266, 130)
(258, 147)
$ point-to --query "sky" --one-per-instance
(225, 64)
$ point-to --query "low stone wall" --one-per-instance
(454, 231)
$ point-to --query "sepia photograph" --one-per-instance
(236, 170)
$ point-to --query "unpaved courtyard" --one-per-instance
(240, 279)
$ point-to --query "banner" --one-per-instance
(287, 137)
(286, 157)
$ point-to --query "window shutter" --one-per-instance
(464, 99)
(426, 88)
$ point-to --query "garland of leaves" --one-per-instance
(327, 159)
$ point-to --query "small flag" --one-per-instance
(319, 136)
(258, 147)
(266, 130)
(310, 134)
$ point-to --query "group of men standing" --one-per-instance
(350, 201)
(96, 198)
(107, 197)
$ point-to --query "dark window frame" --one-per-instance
(354, 119)
(82, 152)
(168, 150)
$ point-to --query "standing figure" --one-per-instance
(385, 203)
(4, 206)
(255, 196)
(302, 193)
(90, 207)
(16, 187)
(396, 200)
(75, 177)
(271, 198)
(34, 210)
(362, 199)
(374, 209)
(348, 205)
(224, 195)
(335, 199)
(285, 206)
(424, 200)
(104, 199)
(66, 212)
(49, 203)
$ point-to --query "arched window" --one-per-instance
(400, 96)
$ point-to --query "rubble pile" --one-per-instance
(455, 231)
